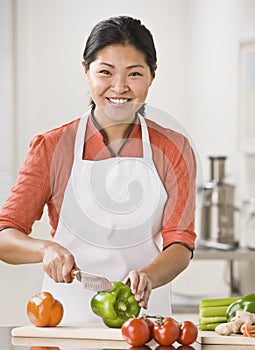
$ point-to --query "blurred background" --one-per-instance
(199, 81)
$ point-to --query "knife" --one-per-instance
(91, 281)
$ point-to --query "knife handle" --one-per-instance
(73, 272)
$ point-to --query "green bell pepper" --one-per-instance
(115, 307)
(246, 303)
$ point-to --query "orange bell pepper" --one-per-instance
(44, 311)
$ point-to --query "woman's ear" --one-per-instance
(154, 74)
(84, 68)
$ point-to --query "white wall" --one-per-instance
(197, 81)
(7, 99)
(50, 38)
(216, 29)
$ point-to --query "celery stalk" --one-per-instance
(217, 302)
(213, 319)
(212, 311)
(208, 327)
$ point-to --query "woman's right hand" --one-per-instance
(58, 262)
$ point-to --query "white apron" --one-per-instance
(110, 220)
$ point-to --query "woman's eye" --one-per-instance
(135, 74)
(105, 72)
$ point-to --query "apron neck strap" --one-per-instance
(147, 152)
(80, 136)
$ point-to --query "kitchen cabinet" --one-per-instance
(246, 123)
(247, 96)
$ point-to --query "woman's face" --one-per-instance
(118, 78)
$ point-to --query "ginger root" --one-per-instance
(241, 318)
(229, 327)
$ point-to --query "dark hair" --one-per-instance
(121, 30)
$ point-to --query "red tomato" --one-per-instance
(151, 326)
(188, 333)
(43, 348)
(161, 347)
(135, 331)
(185, 347)
(166, 332)
(140, 347)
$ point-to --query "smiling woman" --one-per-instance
(120, 66)
(119, 81)
(119, 74)
(114, 182)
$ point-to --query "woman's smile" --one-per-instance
(118, 101)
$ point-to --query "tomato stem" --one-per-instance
(157, 317)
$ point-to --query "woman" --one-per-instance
(114, 183)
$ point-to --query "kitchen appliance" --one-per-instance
(218, 209)
(92, 282)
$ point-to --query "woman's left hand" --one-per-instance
(140, 285)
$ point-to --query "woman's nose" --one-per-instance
(119, 85)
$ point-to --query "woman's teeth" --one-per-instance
(118, 100)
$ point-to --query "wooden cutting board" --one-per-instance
(69, 331)
(213, 338)
(94, 331)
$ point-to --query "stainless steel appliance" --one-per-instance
(218, 209)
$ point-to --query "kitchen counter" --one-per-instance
(20, 343)
(241, 254)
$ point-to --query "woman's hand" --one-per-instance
(140, 285)
(19, 248)
(58, 262)
(163, 269)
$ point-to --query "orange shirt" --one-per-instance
(45, 172)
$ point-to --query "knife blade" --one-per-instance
(92, 281)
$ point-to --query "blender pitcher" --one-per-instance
(218, 209)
